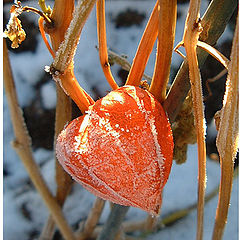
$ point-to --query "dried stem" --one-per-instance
(227, 139)
(92, 219)
(64, 74)
(190, 38)
(215, 53)
(63, 179)
(166, 36)
(22, 146)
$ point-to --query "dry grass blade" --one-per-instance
(227, 139)
(191, 35)
(22, 146)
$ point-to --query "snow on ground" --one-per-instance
(24, 211)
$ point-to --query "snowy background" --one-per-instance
(24, 211)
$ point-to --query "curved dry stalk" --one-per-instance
(166, 36)
(190, 38)
(22, 145)
(214, 52)
(227, 138)
(102, 42)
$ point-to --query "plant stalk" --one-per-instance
(166, 36)
(227, 138)
(190, 38)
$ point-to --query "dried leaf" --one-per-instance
(14, 28)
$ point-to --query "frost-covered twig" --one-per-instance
(22, 145)
(66, 51)
(227, 138)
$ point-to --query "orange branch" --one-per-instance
(144, 49)
(103, 54)
(166, 35)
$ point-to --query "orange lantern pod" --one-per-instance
(121, 150)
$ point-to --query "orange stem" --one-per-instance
(103, 54)
(72, 88)
(61, 17)
(166, 34)
(144, 49)
(41, 29)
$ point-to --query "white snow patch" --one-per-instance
(48, 94)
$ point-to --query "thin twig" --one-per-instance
(214, 52)
(63, 111)
(63, 179)
(22, 145)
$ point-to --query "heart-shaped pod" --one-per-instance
(121, 150)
